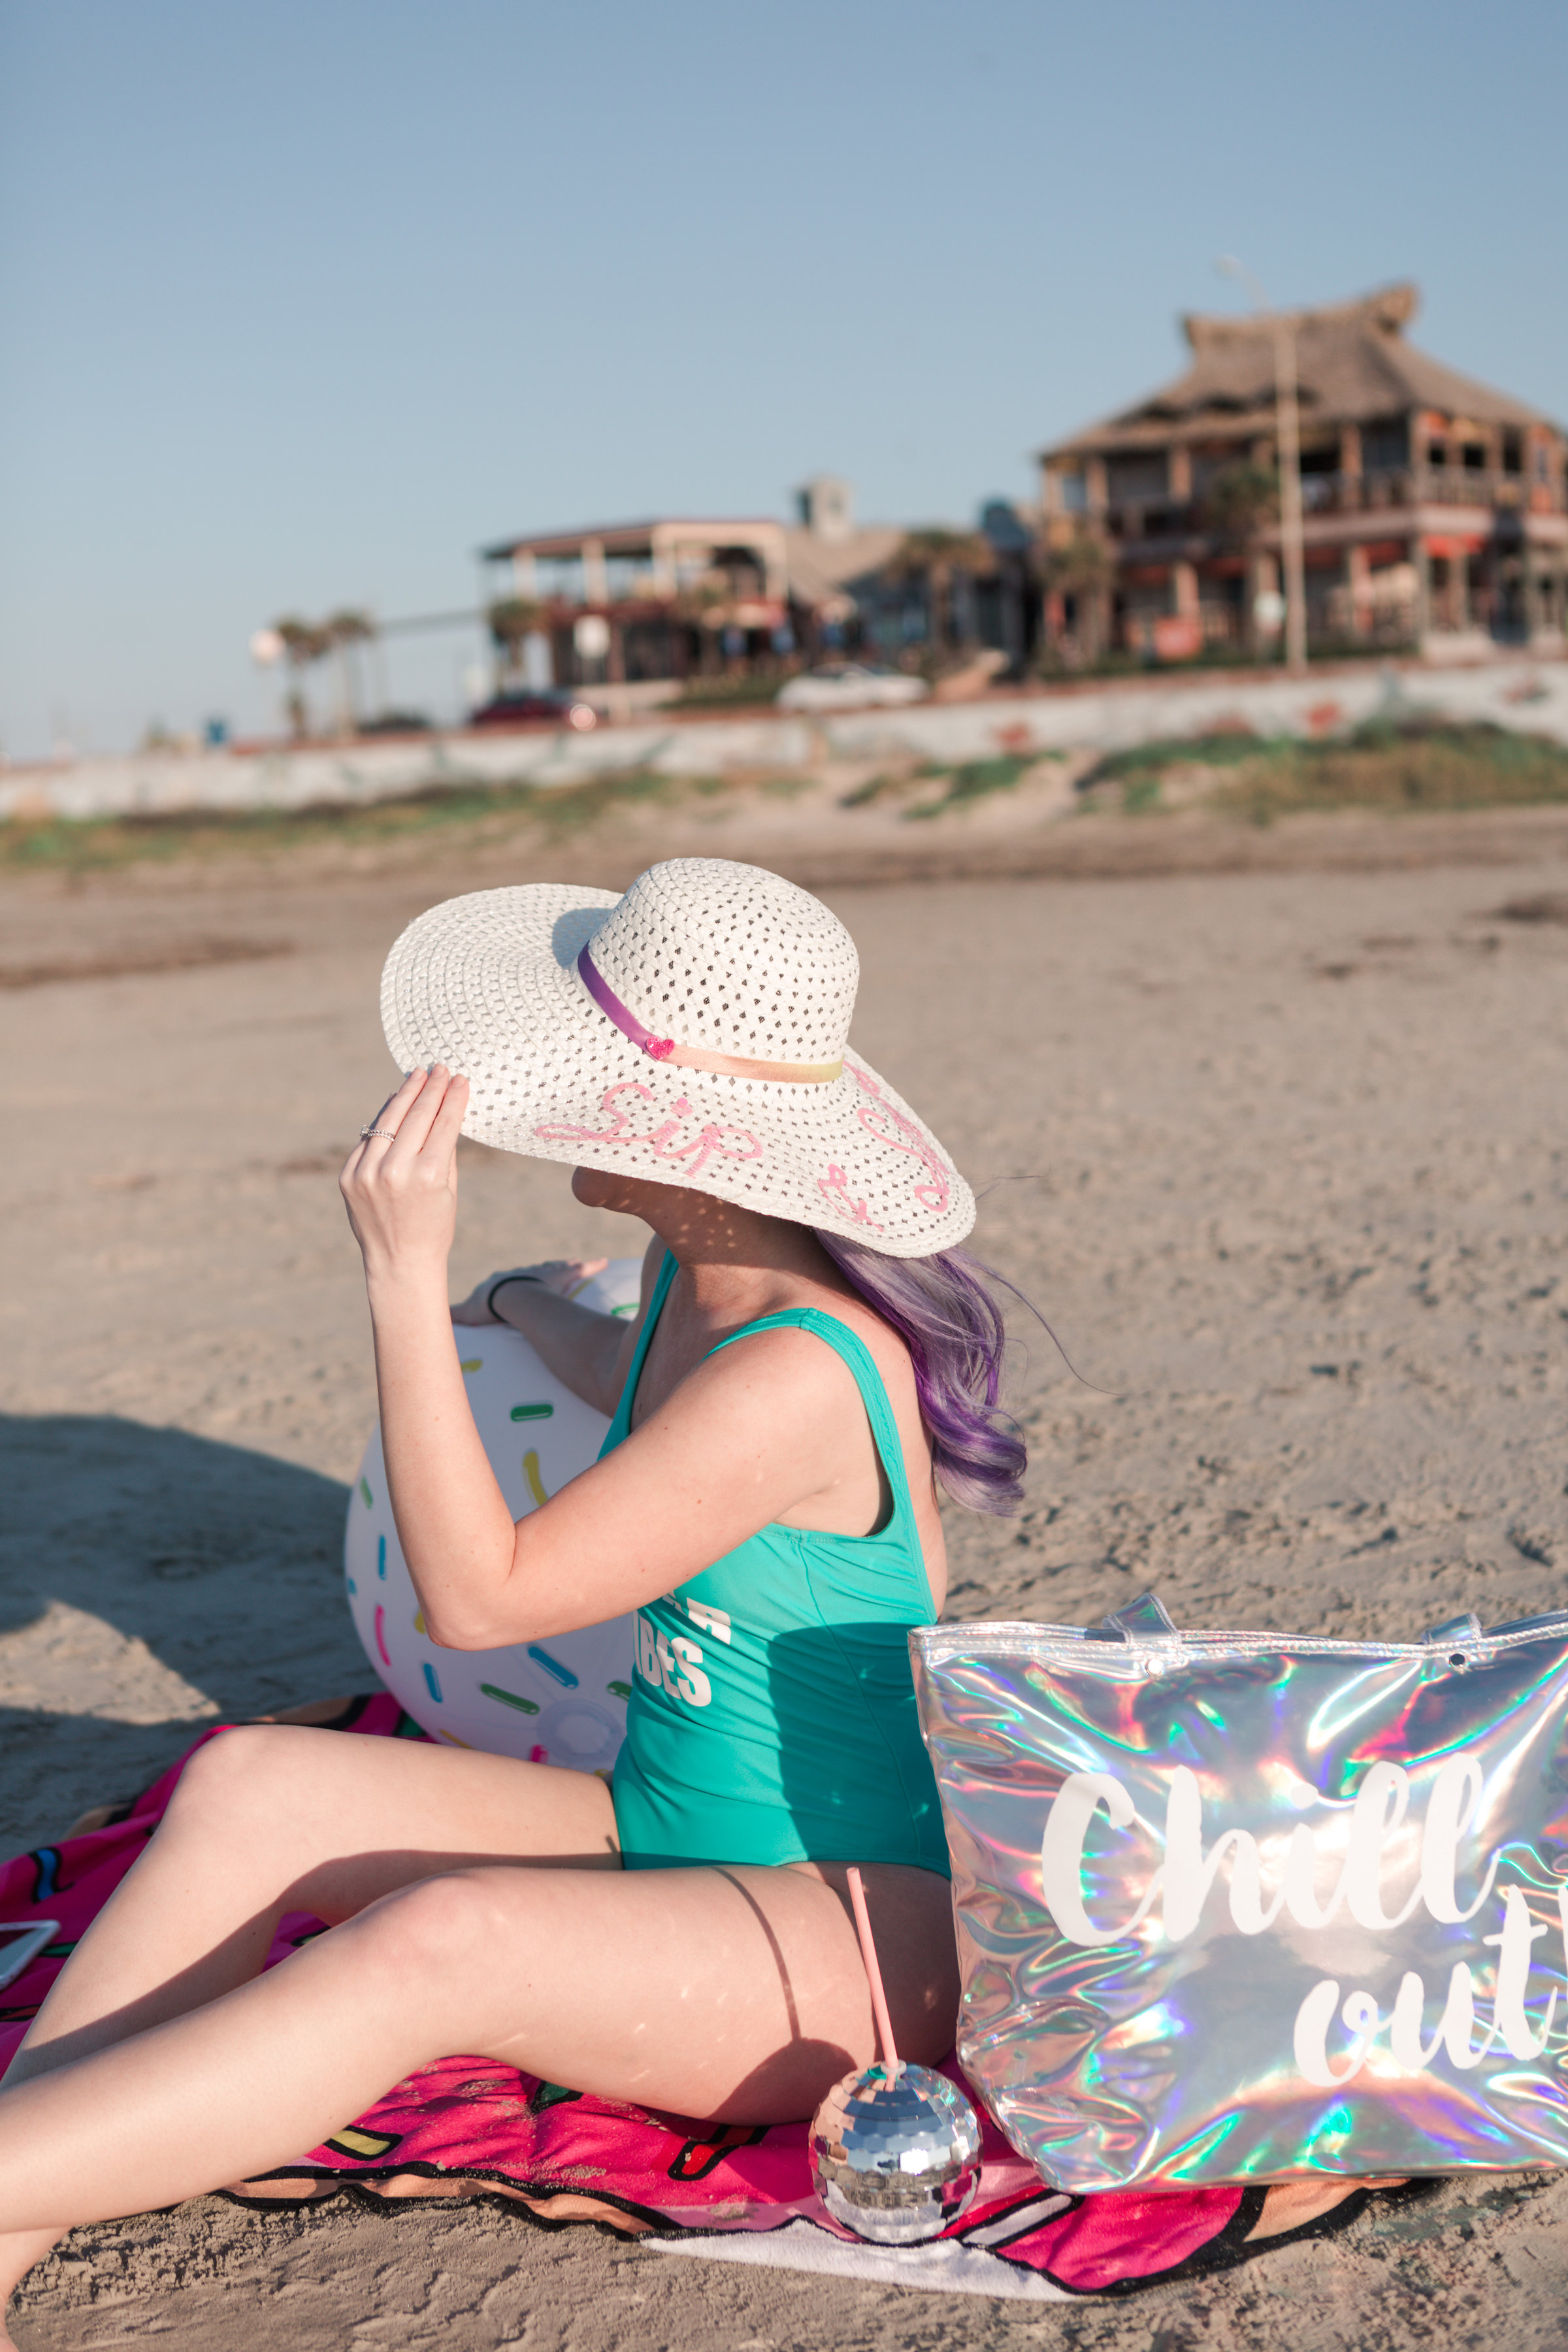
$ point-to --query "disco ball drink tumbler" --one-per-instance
(895, 2153)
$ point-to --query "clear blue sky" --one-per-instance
(302, 302)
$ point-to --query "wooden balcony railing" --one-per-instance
(1325, 494)
(1404, 486)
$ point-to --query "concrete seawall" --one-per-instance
(1529, 698)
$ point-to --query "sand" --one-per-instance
(1280, 1152)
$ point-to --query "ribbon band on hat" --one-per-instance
(693, 1058)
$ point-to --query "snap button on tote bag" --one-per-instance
(1234, 1906)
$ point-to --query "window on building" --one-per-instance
(1072, 493)
(1384, 445)
(559, 575)
(1512, 454)
(692, 565)
(1208, 464)
(1136, 481)
(743, 568)
(1436, 453)
(1473, 457)
(629, 576)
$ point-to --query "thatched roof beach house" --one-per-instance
(1435, 507)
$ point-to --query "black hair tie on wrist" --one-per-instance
(490, 1293)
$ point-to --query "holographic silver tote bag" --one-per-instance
(1234, 1907)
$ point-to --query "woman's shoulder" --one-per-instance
(847, 1307)
(884, 1345)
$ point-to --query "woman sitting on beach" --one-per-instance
(812, 1356)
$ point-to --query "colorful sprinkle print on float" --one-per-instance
(531, 1699)
(514, 1699)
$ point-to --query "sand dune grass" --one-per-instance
(1389, 765)
(1393, 764)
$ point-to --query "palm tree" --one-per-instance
(343, 630)
(932, 556)
(1083, 567)
(1237, 500)
(304, 643)
(1234, 507)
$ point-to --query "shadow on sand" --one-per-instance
(225, 1564)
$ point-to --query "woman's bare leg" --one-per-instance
(734, 1994)
(270, 1820)
(737, 1994)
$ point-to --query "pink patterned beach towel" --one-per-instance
(468, 2125)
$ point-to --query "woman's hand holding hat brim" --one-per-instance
(400, 1181)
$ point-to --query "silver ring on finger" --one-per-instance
(367, 1133)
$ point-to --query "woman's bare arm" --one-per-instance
(749, 1434)
(590, 1354)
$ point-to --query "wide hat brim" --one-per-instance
(488, 984)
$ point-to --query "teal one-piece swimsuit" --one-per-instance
(773, 1716)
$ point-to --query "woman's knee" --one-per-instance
(438, 1926)
(246, 1770)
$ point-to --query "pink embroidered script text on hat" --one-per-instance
(691, 1058)
(878, 1118)
(699, 1151)
(630, 1033)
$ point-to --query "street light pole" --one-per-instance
(1288, 434)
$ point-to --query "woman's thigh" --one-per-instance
(327, 1822)
(733, 1993)
(271, 1818)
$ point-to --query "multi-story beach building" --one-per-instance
(675, 596)
(1434, 506)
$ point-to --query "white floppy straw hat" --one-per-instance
(693, 1032)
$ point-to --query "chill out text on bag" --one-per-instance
(1184, 1882)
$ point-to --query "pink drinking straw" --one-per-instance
(873, 1973)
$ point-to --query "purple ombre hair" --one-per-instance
(942, 1309)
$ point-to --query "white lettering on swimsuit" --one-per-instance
(671, 1663)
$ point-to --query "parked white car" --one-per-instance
(850, 685)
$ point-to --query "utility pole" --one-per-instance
(1288, 437)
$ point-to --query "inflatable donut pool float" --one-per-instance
(558, 1702)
